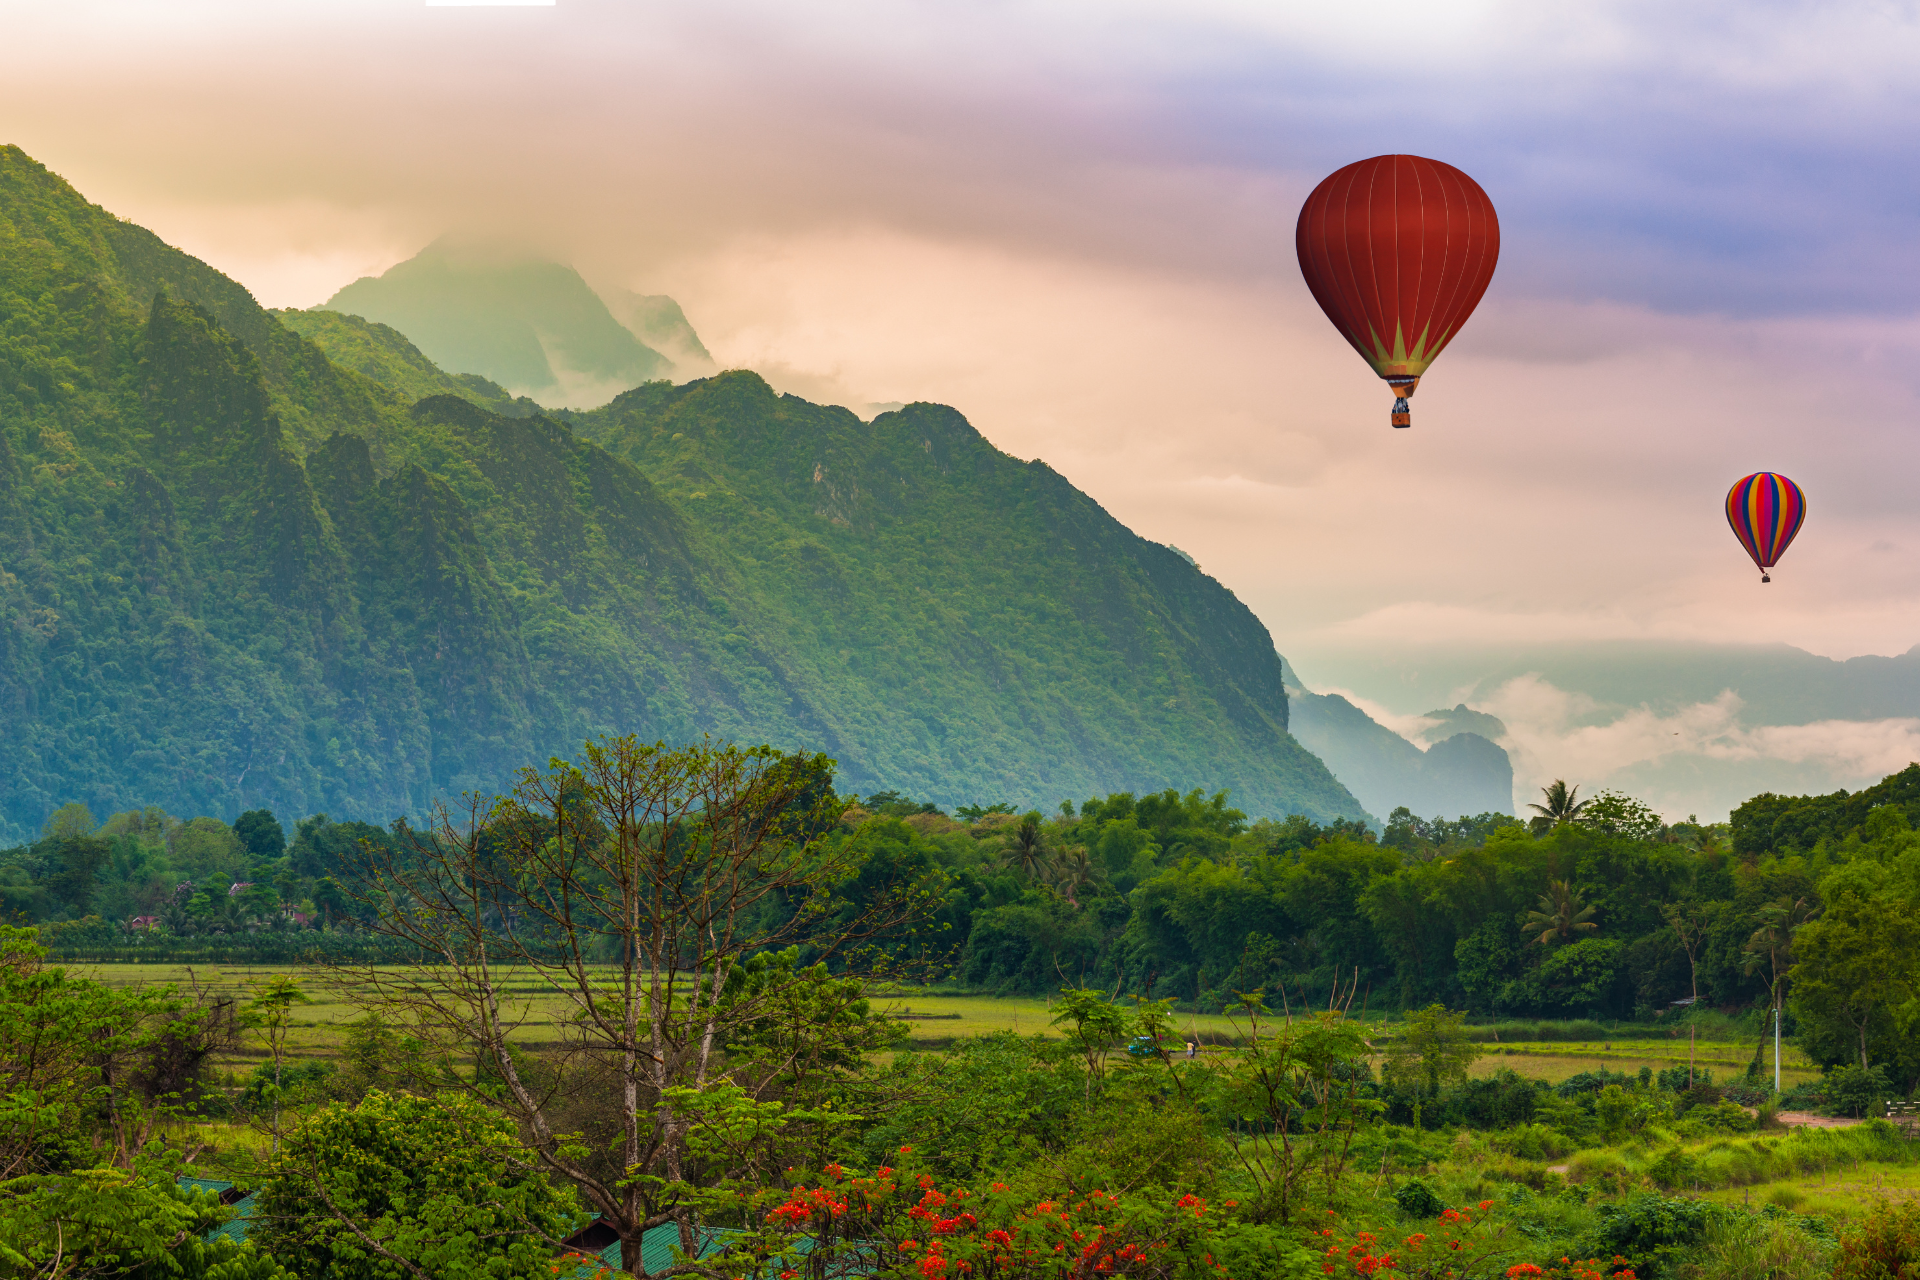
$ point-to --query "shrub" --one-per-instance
(442, 1181)
(1674, 1167)
(1604, 1169)
(1884, 1247)
(1532, 1142)
(1493, 1102)
(1416, 1199)
(1592, 1082)
(1651, 1232)
(297, 1080)
(1720, 1117)
(1856, 1091)
(1674, 1079)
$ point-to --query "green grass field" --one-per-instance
(935, 1020)
(1560, 1060)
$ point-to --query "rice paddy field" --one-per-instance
(1826, 1173)
(935, 1020)
(1561, 1060)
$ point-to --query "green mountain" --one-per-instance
(533, 327)
(658, 321)
(384, 354)
(237, 574)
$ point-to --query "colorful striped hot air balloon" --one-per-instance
(1765, 511)
(1397, 251)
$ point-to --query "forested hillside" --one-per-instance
(236, 575)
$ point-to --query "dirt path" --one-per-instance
(1796, 1119)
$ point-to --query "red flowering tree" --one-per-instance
(1463, 1245)
(898, 1223)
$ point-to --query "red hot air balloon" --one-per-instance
(1397, 251)
(1766, 510)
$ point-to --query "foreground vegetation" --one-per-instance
(658, 1010)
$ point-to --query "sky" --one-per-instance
(1072, 221)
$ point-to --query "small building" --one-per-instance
(241, 1202)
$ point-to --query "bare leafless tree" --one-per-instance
(638, 883)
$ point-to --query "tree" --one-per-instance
(1689, 923)
(1559, 914)
(76, 1061)
(1432, 1050)
(637, 884)
(209, 853)
(1620, 814)
(1098, 1027)
(135, 1223)
(1293, 1104)
(261, 833)
(271, 1010)
(86, 1074)
(1026, 849)
(69, 820)
(1563, 807)
(1074, 870)
(1856, 962)
(434, 1188)
(1776, 924)
(80, 859)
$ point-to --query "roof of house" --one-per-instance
(241, 1202)
(600, 1242)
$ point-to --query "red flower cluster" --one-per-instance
(804, 1203)
(1576, 1269)
(953, 1234)
(1457, 1246)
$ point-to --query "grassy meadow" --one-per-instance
(1831, 1174)
(936, 1019)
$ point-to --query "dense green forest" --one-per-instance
(237, 574)
(1609, 915)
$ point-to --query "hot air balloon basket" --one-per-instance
(1402, 388)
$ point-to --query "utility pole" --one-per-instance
(1776, 1036)
(1776, 1048)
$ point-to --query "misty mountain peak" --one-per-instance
(532, 325)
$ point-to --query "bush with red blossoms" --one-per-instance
(894, 1223)
(1463, 1243)
(1574, 1269)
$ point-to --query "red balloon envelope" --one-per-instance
(1766, 510)
(1398, 251)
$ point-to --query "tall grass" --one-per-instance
(1743, 1246)
(1745, 1161)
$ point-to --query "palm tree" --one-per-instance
(1560, 914)
(1026, 849)
(1773, 940)
(1073, 871)
(1562, 807)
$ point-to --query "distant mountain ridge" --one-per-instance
(534, 327)
(1464, 773)
(235, 573)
